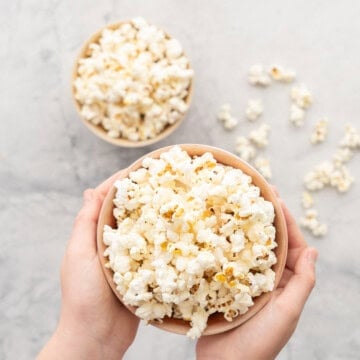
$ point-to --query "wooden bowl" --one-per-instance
(98, 129)
(216, 322)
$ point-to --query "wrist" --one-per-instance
(70, 341)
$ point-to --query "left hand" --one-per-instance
(93, 323)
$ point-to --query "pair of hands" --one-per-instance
(95, 325)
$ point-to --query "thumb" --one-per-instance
(83, 237)
(299, 287)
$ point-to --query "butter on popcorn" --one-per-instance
(134, 81)
(193, 237)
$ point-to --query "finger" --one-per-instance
(83, 237)
(293, 297)
(275, 190)
(296, 239)
(104, 187)
(286, 276)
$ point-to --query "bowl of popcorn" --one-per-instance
(132, 83)
(192, 239)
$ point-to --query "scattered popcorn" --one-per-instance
(263, 166)
(225, 117)
(260, 136)
(297, 115)
(254, 109)
(193, 237)
(351, 138)
(312, 223)
(134, 81)
(320, 131)
(328, 174)
(301, 96)
(307, 200)
(342, 156)
(278, 73)
(258, 76)
(245, 149)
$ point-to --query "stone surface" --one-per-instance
(47, 157)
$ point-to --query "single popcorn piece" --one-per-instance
(341, 178)
(351, 138)
(225, 117)
(262, 164)
(278, 73)
(254, 109)
(312, 223)
(307, 200)
(258, 76)
(134, 81)
(320, 131)
(301, 96)
(297, 115)
(319, 177)
(260, 136)
(342, 156)
(245, 149)
(192, 238)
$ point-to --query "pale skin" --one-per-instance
(93, 324)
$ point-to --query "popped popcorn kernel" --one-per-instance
(301, 96)
(278, 73)
(311, 222)
(254, 109)
(134, 81)
(307, 200)
(297, 115)
(244, 148)
(259, 136)
(225, 117)
(351, 138)
(189, 234)
(258, 76)
(320, 131)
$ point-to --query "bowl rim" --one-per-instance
(216, 322)
(98, 130)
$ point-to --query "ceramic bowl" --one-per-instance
(98, 130)
(216, 322)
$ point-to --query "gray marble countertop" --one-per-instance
(47, 157)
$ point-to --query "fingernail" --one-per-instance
(312, 255)
(88, 195)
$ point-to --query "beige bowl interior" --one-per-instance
(98, 129)
(216, 322)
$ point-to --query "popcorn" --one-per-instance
(193, 237)
(328, 174)
(312, 223)
(260, 136)
(245, 149)
(134, 81)
(258, 76)
(225, 117)
(342, 156)
(301, 96)
(263, 166)
(297, 115)
(278, 73)
(307, 200)
(254, 109)
(351, 138)
(320, 131)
